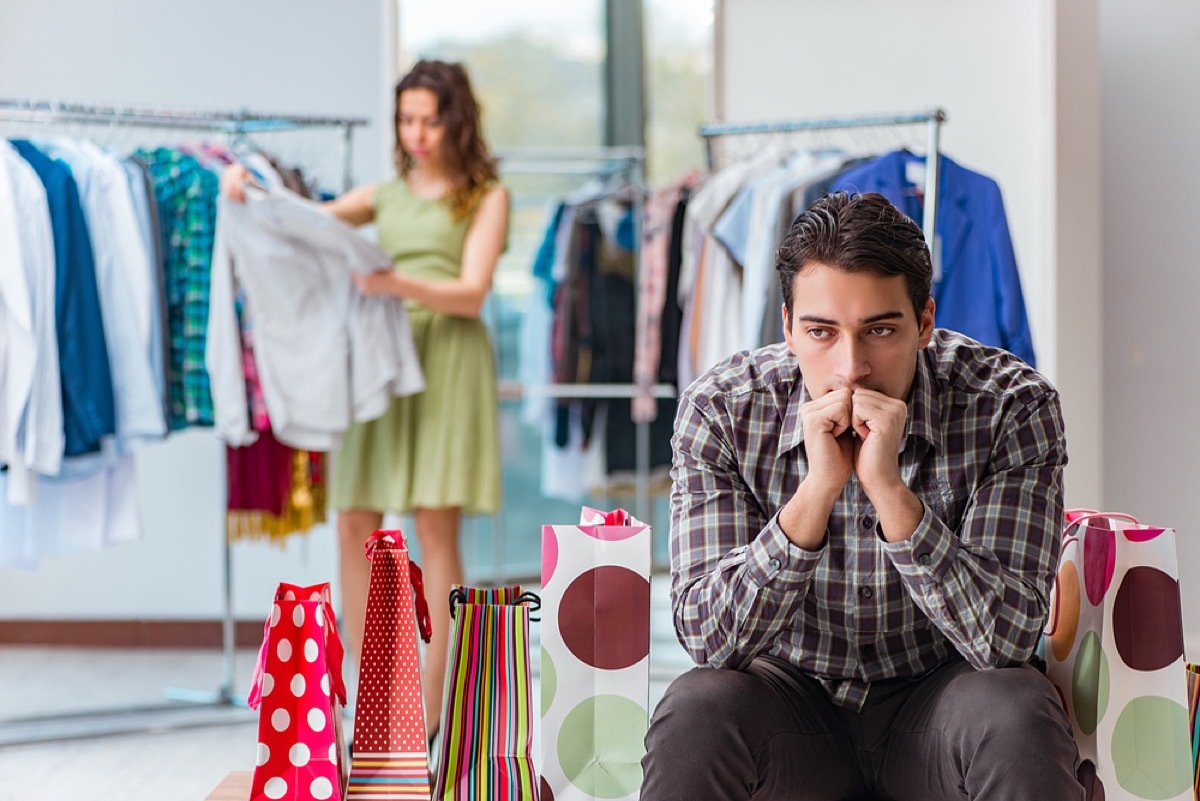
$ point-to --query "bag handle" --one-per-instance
(381, 535)
(415, 577)
(1075, 518)
(334, 650)
(458, 595)
(424, 623)
(254, 697)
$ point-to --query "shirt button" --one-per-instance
(923, 559)
(867, 522)
(866, 592)
(775, 564)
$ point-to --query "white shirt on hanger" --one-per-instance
(768, 220)
(326, 355)
(31, 415)
(123, 279)
(721, 300)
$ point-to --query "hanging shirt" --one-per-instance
(87, 392)
(325, 354)
(31, 413)
(141, 192)
(186, 194)
(979, 293)
(754, 224)
(709, 287)
(123, 275)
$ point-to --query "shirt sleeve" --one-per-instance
(736, 579)
(986, 586)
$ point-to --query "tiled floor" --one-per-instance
(181, 752)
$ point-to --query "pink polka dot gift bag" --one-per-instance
(595, 671)
(299, 694)
(1114, 652)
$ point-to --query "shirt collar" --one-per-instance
(923, 420)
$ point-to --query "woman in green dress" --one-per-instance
(435, 455)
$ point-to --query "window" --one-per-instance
(538, 70)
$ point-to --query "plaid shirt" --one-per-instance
(186, 195)
(984, 451)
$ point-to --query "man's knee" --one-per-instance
(701, 696)
(1013, 705)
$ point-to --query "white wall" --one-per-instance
(1020, 84)
(1152, 270)
(302, 57)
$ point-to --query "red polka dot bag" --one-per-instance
(299, 693)
(1114, 652)
(390, 759)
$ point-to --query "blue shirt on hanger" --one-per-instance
(979, 293)
(87, 392)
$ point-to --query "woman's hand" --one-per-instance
(233, 182)
(384, 281)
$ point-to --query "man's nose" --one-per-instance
(852, 366)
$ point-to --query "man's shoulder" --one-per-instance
(744, 375)
(962, 365)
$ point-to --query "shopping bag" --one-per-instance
(390, 758)
(298, 690)
(487, 709)
(595, 670)
(1193, 684)
(1114, 651)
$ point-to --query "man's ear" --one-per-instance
(787, 327)
(926, 324)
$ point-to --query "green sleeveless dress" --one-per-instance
(439, 448)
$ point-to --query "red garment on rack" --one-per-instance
(259, 476)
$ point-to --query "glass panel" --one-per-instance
(538, 71)
(679, 56)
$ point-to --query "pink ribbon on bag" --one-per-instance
(377, 536)
(617, 517)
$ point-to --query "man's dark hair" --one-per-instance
(856, 233)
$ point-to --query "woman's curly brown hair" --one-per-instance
(472, 169)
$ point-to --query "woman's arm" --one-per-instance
(463, 296)
(356, 207)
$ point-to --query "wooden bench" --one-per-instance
(234, 787)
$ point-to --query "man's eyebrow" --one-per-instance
(874, 318)
(879, 318)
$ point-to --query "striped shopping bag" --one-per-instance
(487, 709)
(1193, 683)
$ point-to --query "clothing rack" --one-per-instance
(238, 124)
(629, 161)
(932, 119)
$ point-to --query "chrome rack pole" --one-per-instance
(932, 166)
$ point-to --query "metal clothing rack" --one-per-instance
(932, 119)
(599, 162)
(238, 124)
